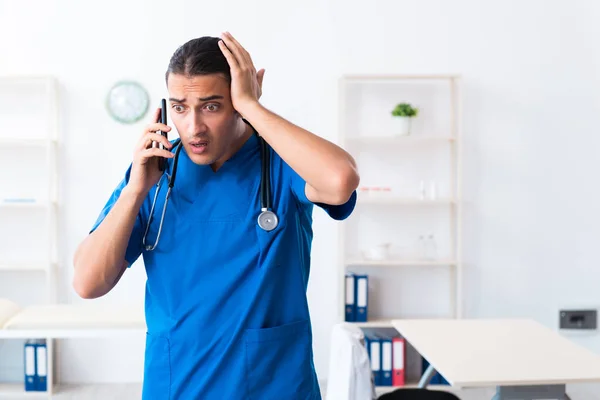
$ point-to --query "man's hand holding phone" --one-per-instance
(145, 169)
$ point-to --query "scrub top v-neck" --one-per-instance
(225, 303)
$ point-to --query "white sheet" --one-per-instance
(67, 316)
(7, 310)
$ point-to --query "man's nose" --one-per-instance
(197, 125)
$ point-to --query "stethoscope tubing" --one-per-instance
(267, 219)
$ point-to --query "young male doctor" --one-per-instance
(225, 304)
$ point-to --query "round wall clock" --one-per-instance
(127, 102)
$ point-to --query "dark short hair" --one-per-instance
(200, 56)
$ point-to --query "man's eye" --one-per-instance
(212, 107)
(178, 109)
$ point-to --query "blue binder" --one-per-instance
(350, 303)
(373, 345)
(386, 360)
(41, 362)
(384, 337)
(29, 360)
(361, 291)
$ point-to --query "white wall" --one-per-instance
(530, 125)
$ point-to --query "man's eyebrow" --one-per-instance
(213, 97)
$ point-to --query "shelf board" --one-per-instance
(12, 390)
(399, 140)
(381, 323)
(12, 79)
(397, 78)
(399, 263)
(25, 203)
(70, 333)
(390, 199)
(32, 142)
(23, 267)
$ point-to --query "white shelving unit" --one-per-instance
(29, 200)
(397, 263)
(405, 284)
(396, 200)
(15, 391)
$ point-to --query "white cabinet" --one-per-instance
(405, 232)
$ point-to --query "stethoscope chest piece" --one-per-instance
(267, 220)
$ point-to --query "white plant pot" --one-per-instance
(402, 125)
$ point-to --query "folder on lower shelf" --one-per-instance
(373, 346)
(29, 360)
(41, 359)
(376, 360)
(387, 353)
(386, 361)
(399, 361)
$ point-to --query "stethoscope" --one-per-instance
(267, 219)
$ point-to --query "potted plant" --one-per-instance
(403, 113)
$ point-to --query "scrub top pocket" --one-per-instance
(157, 368)
(279, 362)
(273, 244)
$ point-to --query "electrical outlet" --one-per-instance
(578, 319)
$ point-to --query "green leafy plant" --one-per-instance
(405, 110)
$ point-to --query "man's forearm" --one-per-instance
(100, 259)
(329, 171)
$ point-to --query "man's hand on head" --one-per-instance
(246, 83)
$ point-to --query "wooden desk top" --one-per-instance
(499, 352)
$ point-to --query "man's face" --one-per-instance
(203, 114)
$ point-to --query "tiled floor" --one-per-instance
(133, 391)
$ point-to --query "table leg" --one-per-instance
(426, 378)
(537, 392)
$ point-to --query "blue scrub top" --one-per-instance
(225, 303)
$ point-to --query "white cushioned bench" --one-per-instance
(69, 320)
